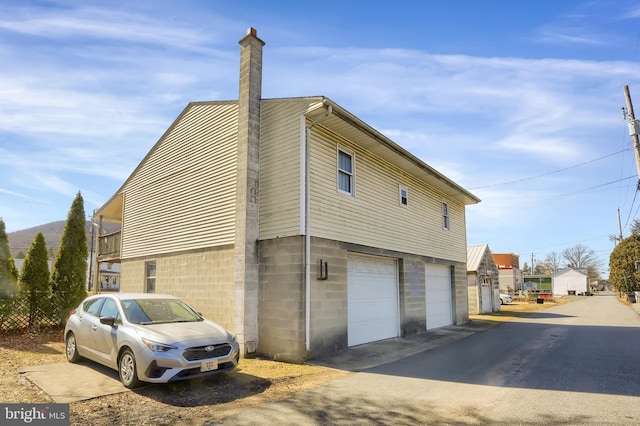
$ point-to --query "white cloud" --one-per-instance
(100, 23)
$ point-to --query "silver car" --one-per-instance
(148, 338)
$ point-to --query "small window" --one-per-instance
(346, 172)
(445, 216)
(150, 276)
(404, 196)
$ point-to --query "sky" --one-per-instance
(517, 101)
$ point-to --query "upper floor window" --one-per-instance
(346, 171)
(404, 196)
(445, 216)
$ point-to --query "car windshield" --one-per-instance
(155, 311)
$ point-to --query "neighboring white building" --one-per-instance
(570, 280)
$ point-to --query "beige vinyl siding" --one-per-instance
(281, 179)
(183, 194)
(374, 216)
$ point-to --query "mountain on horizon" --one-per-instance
(20, 241)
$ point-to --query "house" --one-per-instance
(482, 280)
(570, 281)
(510, 274)
(109, 277)
(292, 223)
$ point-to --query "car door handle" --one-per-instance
(94, 327)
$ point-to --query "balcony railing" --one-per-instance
(109, 247)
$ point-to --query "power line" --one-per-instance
(580, 191)
(631, 209)
(550, 173)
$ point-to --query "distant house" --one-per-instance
(570, 281)
(482, 280)
(511, 276)
(292, 223)
(109, 277)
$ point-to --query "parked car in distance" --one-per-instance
(148, 338)
(505, 299)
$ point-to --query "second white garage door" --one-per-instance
(372, 299)
(439, 301)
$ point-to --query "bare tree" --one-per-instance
(582, 257)
(553, 262)
(579, 256)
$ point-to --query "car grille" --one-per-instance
(200, 352)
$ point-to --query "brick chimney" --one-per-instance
(247, 194)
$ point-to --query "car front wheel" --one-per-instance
(127, 370)
(72, 348)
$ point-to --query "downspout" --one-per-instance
(307, 224)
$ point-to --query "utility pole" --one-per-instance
(619, 225)
(634, 129)
(533, 271)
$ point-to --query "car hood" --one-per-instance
(187, 333)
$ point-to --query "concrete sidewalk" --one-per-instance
(66, 382)
(369, 355)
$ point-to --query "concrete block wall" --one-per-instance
(281, 315)
(461, 293)
(328, 298)
(202, 278)
(473, 293)
(413, 305)
(281, 309)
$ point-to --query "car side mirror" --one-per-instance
(110, 321)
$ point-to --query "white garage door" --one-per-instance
(438, 285)
(372, 299)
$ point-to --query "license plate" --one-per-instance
(209, 365)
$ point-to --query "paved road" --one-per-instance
(577, 363)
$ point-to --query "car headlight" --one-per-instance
(157, 347)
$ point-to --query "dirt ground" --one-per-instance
(194, 402)
(518, 309)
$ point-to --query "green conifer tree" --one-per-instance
(69, 273)
(8, 271)
(34, 279)
(623, 273)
